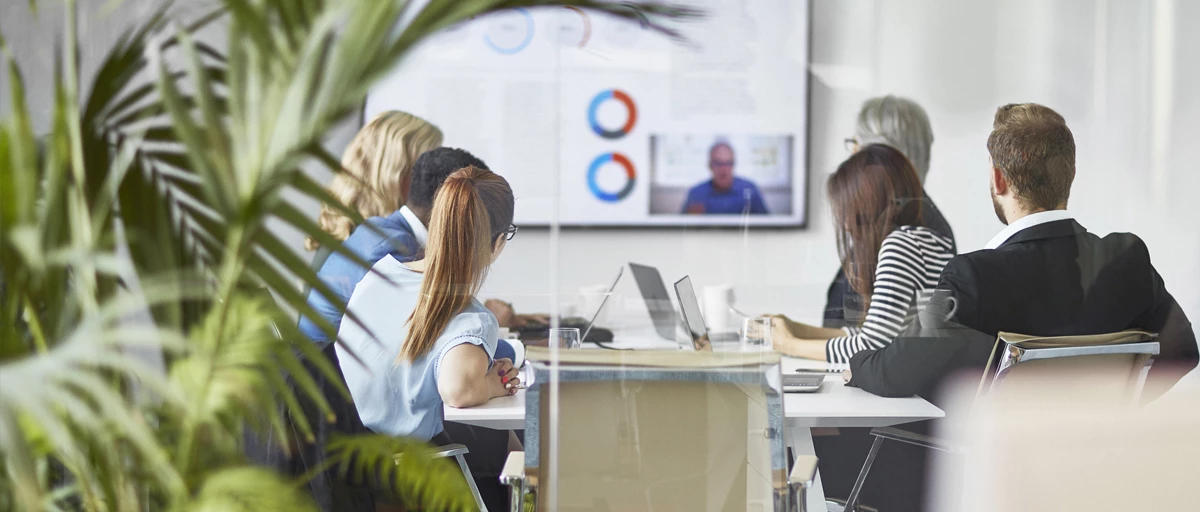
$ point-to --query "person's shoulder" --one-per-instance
(912, 237)
(379, 236)
(928, 238)
(1122, 241)
(387, 273)
(475, 321)
(740, 182)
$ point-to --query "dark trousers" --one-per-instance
(896, 482)
(487, 452)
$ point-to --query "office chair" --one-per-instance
(1056, 453)
(1104, 368)
(348, 423)
(666, 430)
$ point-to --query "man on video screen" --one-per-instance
(724, 193)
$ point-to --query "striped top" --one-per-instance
(910, 261)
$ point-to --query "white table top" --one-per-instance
(835, 405)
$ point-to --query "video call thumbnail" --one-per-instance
(717, 174)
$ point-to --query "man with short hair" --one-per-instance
(402, 235)
(724, 193)
(1043, 274)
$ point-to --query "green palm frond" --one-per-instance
(406, 467)
(247, 489)
(179, 155)
(66, 405)
(239, 370)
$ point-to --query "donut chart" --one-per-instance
(574, 27)
(594, 170)
(510, 32)
(630, 113)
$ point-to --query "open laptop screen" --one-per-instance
(690, 308)
(658, 302)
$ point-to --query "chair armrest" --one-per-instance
(451, 450)
(514, 469)
(905, 436)
(803, 471)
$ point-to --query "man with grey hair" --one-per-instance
(900, 123)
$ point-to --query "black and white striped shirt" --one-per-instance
(910, 261)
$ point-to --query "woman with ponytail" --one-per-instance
(424, 340)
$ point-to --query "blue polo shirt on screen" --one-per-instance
(732, 201)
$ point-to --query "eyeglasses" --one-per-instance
(851, 145)
(510, 232)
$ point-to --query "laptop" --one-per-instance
(693, 319)
(588, 332)
(603, 301)
(658, 302)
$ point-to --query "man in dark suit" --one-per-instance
(1044, 274)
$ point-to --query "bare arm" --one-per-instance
(464, 379)
(797, 339)
(803, 330)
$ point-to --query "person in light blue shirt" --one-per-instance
(424, 340)
(401, 235)
(724, 193)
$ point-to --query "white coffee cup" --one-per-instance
(717, 300)
(593, 297)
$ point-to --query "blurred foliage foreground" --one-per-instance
(146, 310)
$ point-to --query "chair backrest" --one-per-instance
(1106, 367)
(642, 430)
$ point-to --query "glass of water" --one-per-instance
(565, 338)
(756, 334)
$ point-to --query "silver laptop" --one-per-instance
(658, 302)
(693, 319)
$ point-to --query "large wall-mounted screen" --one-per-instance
(598, 121)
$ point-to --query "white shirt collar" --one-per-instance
(418, 229)
(1027, 222)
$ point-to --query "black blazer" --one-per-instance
(841, 298)
(1052, 279)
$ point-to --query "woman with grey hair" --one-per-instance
(902, 124)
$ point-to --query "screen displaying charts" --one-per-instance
(597, 120)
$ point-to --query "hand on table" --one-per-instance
(803, 330)
(503, 311)
(505, 381)
(784, 339)
(521, 320)
(507, 317)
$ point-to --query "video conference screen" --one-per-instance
(599, 121)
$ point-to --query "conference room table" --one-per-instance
(834, 405)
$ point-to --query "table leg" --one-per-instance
(800, 440)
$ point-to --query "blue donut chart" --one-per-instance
(529, 29)
(594, 169)
(630, 113)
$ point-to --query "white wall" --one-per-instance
(1119, 71)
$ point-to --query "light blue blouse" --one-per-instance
(401, 398)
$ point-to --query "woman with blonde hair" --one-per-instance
(376, 169)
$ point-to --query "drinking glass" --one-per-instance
(565, 338)
(756, 334)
